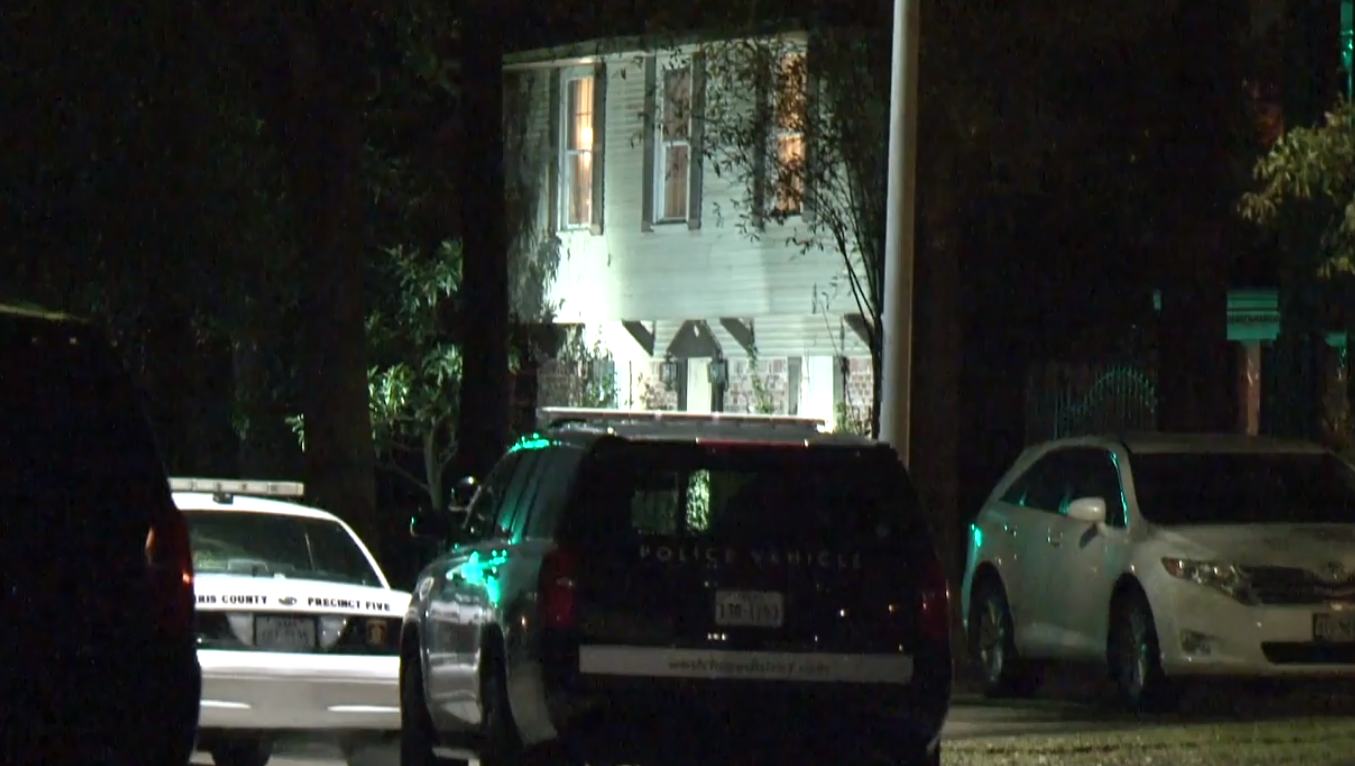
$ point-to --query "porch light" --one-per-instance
(717, 372)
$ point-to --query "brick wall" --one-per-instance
(744, 380)
(559, 384)
(651, 393)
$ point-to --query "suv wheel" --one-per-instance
(502, 746)
(1135, 657)
(993, 645)
(251, 751)
(417, 736)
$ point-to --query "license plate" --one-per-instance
(284, 634)
(1334, 628)
(744, 608)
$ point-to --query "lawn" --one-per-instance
(1303, 742)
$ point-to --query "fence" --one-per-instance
(1077, 399)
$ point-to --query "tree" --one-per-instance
(1312, 170)
(1306, 186)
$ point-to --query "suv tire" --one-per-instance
(992, 644)
(417, 736)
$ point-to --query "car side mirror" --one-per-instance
(1091, 510)
(464, 492)
(441, 526)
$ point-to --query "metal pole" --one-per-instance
(900, 234)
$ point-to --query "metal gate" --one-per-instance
(1079, 399)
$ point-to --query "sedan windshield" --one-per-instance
(275, 545)
(1244, 488)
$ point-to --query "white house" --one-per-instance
(655, 264)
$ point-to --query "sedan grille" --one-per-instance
(1290, 586)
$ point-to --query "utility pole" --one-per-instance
(900, 234)
(482, 428)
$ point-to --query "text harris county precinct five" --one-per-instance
(209, 599)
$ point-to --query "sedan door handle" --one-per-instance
(1055, 540)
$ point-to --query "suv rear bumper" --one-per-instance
(627, 718)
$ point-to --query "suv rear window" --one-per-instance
(744, 492)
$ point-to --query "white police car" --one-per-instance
(298, 629)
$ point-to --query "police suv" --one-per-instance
(641, 587)
(297, 626)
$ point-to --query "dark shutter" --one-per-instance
(648, 128)
(554, 129)
(812, 56)
(599, 144)
(695, 165)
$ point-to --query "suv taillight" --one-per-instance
(934, 621)
(169, 554)
(556, 588)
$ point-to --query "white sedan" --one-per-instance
(298, 628)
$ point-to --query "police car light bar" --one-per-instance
(550, 417)
(239, 487)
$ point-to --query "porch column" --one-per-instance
(1249, 387)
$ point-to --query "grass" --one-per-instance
(1306, 742)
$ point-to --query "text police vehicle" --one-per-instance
(298, 629)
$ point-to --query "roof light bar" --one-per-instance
(239, 487)
(556, 416)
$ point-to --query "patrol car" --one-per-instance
(649, 587)
(298, 628)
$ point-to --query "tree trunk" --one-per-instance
(1194, 387)
(328, 61)
(483, 428)
(934, 455)
(1195, 391)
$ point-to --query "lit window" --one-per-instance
(674, 128)
(577, 177)
(790, 114)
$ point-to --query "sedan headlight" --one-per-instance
(1224, 578)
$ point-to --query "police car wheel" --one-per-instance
(242, 752)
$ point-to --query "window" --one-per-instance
(577, 175)
(275, 545)
(1045, 486)
(484, 507)
(1244, 488)
(790, 113)
(673, 143)
(766, 494)
(1096, 474)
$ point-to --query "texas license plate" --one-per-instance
(284, 634)
(751, 609)
(1334, 628)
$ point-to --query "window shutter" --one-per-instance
(599, 144)
(807, 206)
(697, 140)
(555, 130)
(648, 129)
(762, 138)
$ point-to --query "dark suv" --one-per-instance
(658, 588)
(97, 656)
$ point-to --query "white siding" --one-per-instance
(672, 272)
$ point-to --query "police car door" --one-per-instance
(451, 640)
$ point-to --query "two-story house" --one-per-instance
(659, 264)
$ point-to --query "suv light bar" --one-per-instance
(239, 487)
(552, 417)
